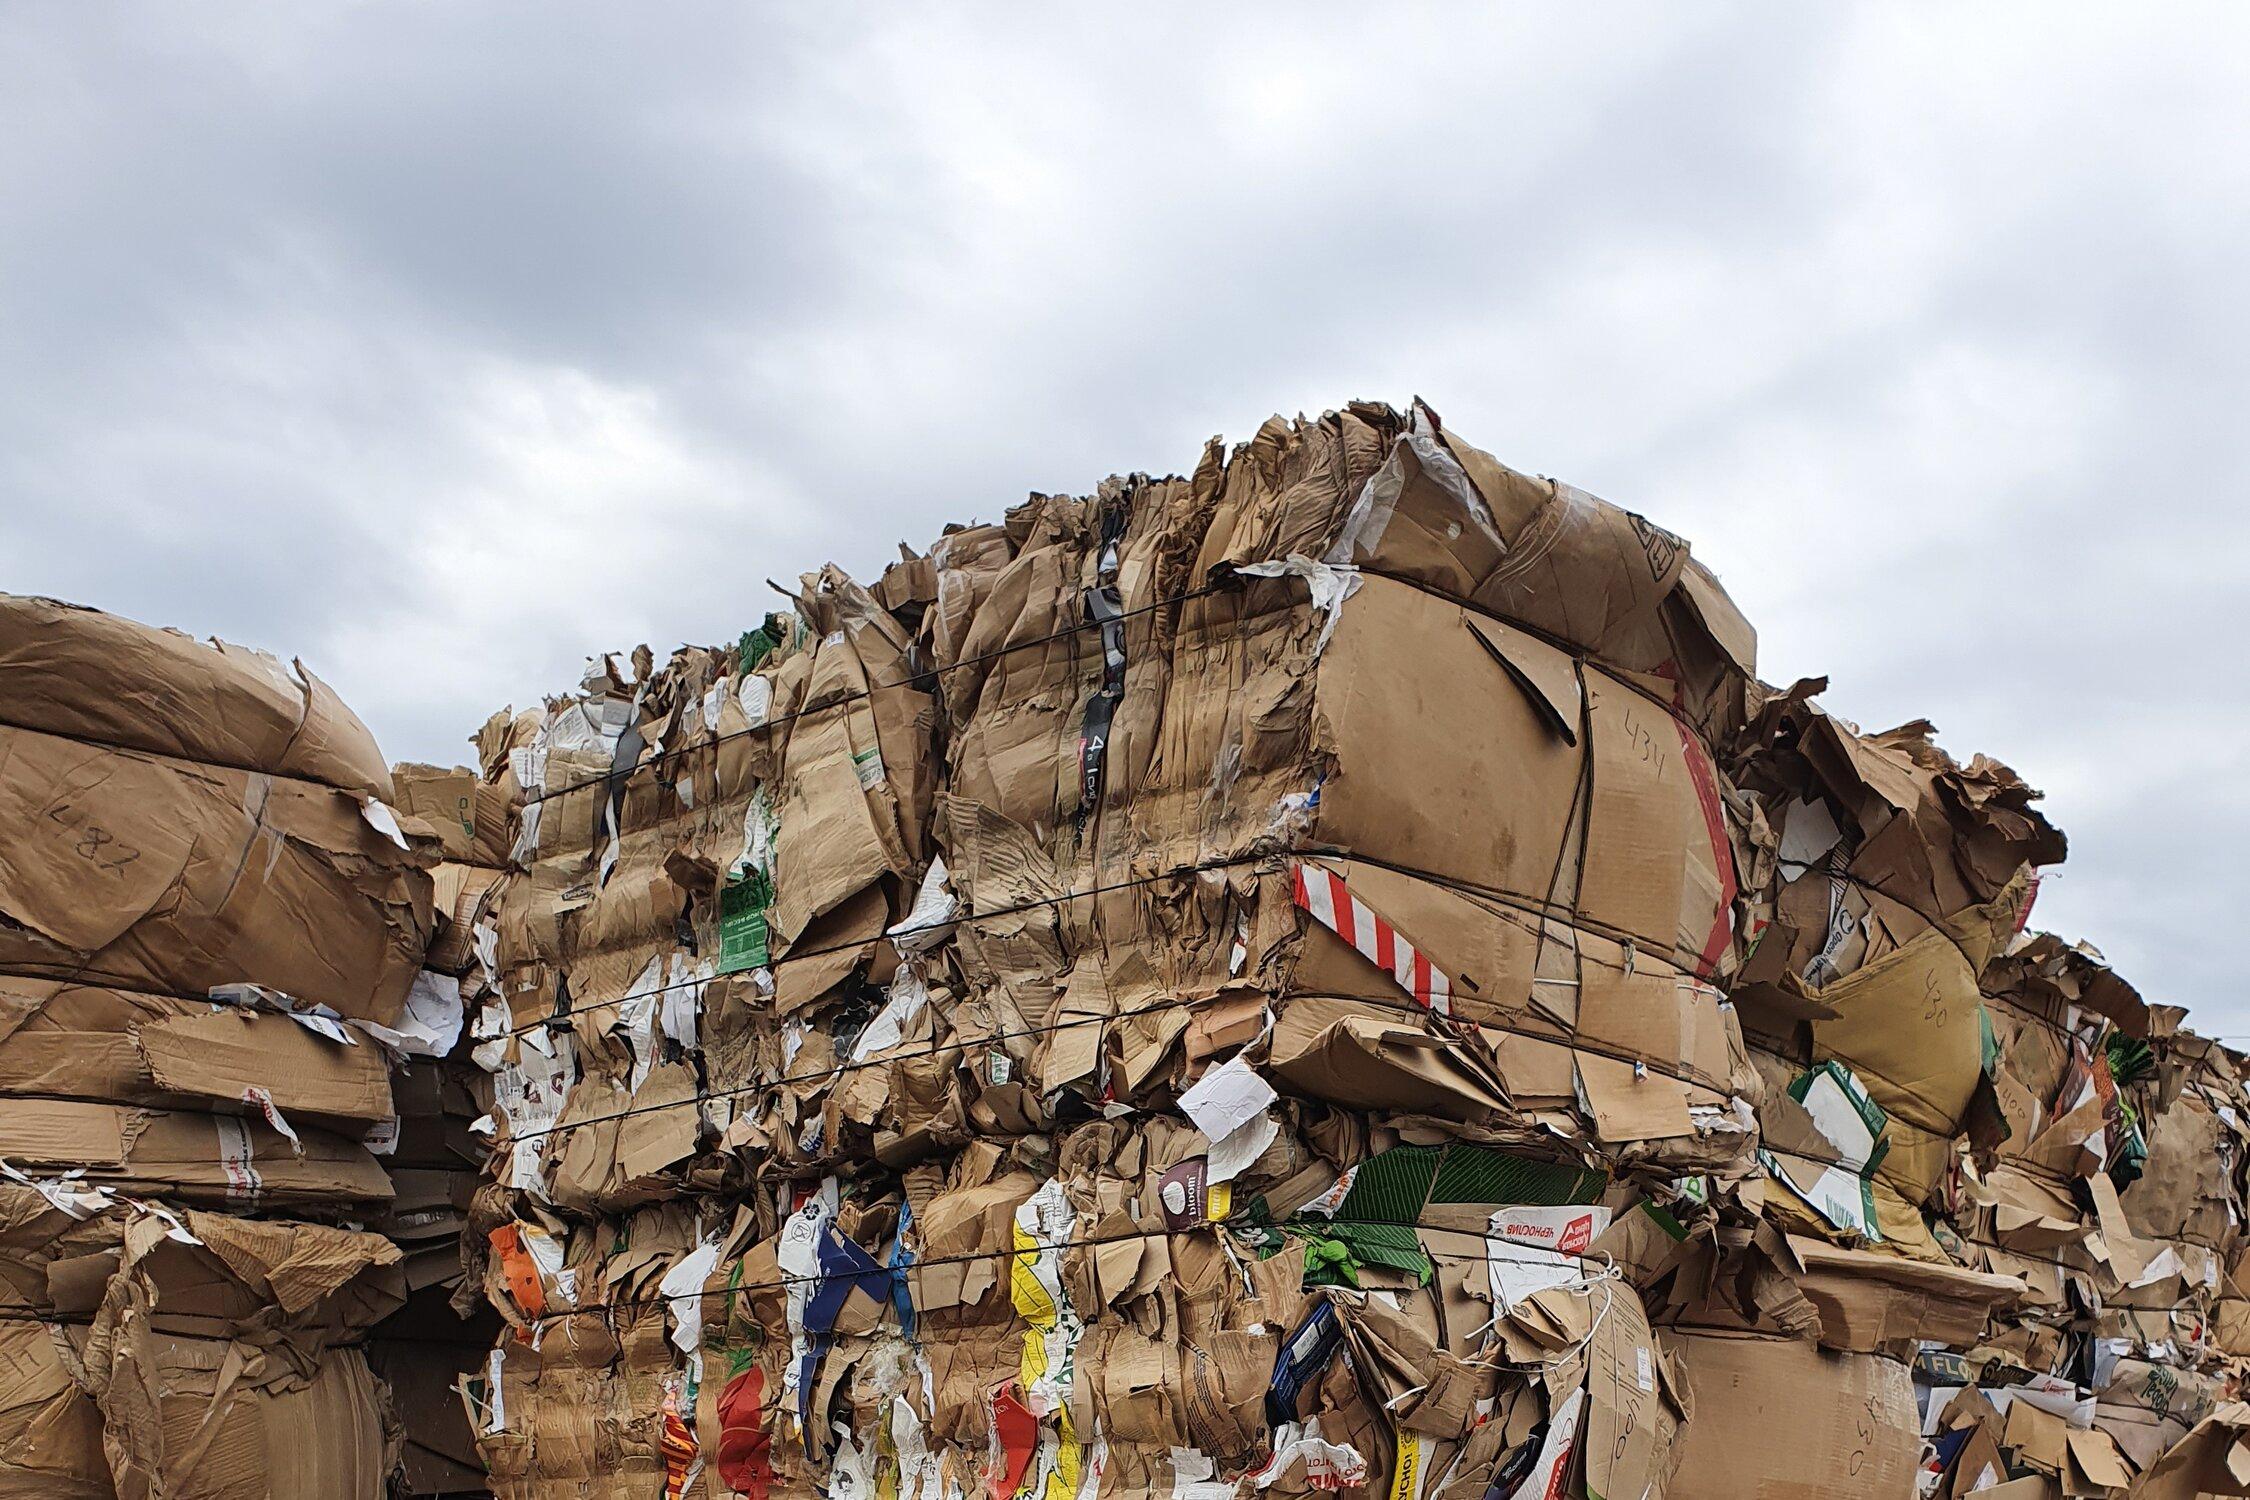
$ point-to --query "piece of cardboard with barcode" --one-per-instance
(1626, 1425)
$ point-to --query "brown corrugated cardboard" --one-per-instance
(124, 868)
(1789, 1421)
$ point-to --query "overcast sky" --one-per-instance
(444, 344)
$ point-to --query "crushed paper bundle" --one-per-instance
(211, 931)
(1330, 973)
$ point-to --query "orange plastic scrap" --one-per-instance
(521, 1271)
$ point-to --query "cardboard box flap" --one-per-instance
(1350, 1053)
(1873, 1302)
(65, 1132)
(1722, 620)
(1547, 676)
(2095, 1462)
(1629, 1103)
(224, 1054)
(1781, 1419)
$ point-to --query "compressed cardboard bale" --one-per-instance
(188, 1353)
(211, 1363)
(604, 901)
(183, 821)
(191, 1416)
(1874, 1303)
(214, 1160)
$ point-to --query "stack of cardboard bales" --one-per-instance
(211, 929)
(1329, 973)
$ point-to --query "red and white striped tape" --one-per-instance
(1332, 904)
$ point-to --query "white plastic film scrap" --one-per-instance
(1227, 1098)
(545, 1250)
(1330, 587)
(918, 1470)
(496, 1404)
(636, 1022)
(848, 1478)
(1326, 1465)
(756, 698)
(432, 1021)
(385, 822)
(907, 996)
(1194, 1477)
(683, 1287)
(932, 916)
(1519, 1272)
(680, 1015)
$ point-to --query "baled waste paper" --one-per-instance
(212, 925)
(1327, 973)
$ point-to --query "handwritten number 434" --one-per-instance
(94, 842)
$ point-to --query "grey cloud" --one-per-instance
(444, 345)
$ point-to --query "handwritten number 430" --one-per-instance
(94, 842)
